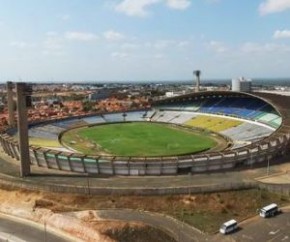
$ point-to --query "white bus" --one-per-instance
(269, 210)
(229, 226)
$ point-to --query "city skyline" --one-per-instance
(143, 39)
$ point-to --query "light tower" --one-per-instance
(23, 92)
(23, 95)
(197, 73)
(10, 103)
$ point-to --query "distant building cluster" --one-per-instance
(241, 85)
(52, 101)
(58, 102)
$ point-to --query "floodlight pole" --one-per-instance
(22, 125)
(10, 103)
(268, 166)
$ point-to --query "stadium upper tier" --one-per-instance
(244, 107)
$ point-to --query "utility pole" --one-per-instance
(268, 166)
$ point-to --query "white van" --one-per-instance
(269, 210)
(229, 226)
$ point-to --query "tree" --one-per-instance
(87, 106)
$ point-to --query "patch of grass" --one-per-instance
(209, 214)
(137, 139)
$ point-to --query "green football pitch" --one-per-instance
(137, 139)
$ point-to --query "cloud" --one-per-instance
(178, 4)
(250, 47)
(130, 46)
(182, 44)
(81, 36)
(135, 7)
(212, 1)
(217, 46)
(273, 6)
(53, 43)
(279, 34)
(51, 33)
(20, 44)
(139, 7)
(163, 44)
(113, 36)
(65, 17)
(122, 55)
(159, 56)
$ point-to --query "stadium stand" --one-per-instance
(50, 128)
(113, 117)
(246, 108)
(73, 122)
(38, 133)
(247, 133)
(215, 124)
(94, 120)
(136, 116)
(172, 116)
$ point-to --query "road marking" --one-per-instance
(275, 238)
(274, 232)
(247, 237)
(285, 238)
(9, 237)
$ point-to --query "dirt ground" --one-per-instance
(204, 211)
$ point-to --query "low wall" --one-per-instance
(87, 189)
(282, 189)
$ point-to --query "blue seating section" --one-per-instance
(248, 108)
(243, 107)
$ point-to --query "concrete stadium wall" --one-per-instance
(149, 166)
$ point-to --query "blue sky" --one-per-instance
(120, 40)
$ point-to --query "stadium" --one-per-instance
(202, 132)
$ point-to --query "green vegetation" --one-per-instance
(137, 139)
(205, 212)
(211, 210)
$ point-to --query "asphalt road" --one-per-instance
(272, 229)
(18, 231)
(181, 232)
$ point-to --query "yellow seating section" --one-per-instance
(215, 124)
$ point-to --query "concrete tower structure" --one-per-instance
(11, 119)
(22, 125)
(197, 74)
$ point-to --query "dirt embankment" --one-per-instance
(63, 212)
(76, 214)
